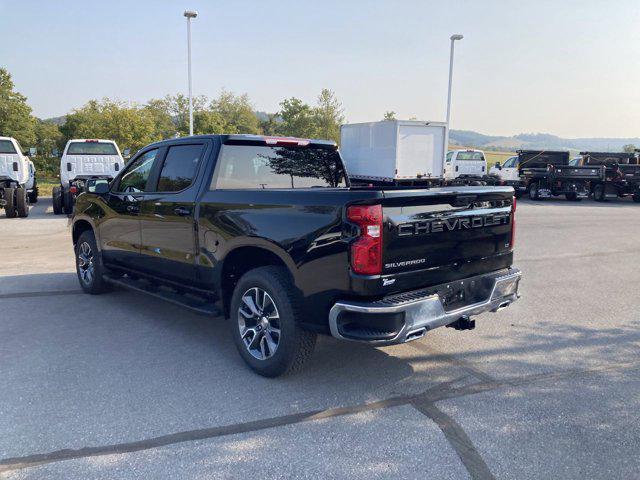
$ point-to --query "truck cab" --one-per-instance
(82, 160)
(508, 173)
(465, 166)
(17, 176)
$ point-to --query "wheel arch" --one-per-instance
(80, 226)
(243, 258)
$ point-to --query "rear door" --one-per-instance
(120, 229)
(168, 246)
(446, 234)
(420, 151)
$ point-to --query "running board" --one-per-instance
(192, 302)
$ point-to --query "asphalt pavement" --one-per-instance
(122, 385)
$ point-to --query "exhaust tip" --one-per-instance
(416, 334)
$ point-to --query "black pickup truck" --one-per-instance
(269, 233)
(548, 173)
(621, 178)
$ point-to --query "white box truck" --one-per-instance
(394, 151)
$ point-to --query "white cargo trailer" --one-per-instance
(394, 151)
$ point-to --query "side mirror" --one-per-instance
(99, 187)
(498, 166)
(15, 166)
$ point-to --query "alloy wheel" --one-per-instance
(86, 267)
(259, 323)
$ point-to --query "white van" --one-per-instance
(465, 165)
(17, 176)
(84, 159)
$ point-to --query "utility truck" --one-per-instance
(465, 167)
(547, 173)
(17, 177)
(394, 152)
(621, 177)
(82, 160)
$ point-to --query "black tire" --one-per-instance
(89, 266)
(33, 194)
(67, 204)
(636, 198)
(57, 201)
(22, 204)
(294, 345)
(599, 193)
(533, 191)
(10, 206)
(572, 197)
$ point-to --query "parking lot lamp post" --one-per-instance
(453, 38)
(190, 14)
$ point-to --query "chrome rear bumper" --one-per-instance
(417, 312)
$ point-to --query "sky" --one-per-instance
(570, 68)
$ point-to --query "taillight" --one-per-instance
(366, 251)
(513, 222)
(73, 189)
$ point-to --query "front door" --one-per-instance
(120, 229)
(167, 216)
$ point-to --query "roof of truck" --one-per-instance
(7, 138)
(98, 140)
(540, 152)
(269, 140)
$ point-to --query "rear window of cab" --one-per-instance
(91, 148)
(6, 146)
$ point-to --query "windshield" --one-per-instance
(266, 167)
(91, 148)
(6, 146)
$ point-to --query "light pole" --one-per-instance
(190, 14)
(453, 38)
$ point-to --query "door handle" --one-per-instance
(182, 211)
(133, 209)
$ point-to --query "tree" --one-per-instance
(129, 125)
(208, 122)
(390, 115)
(329, 115)
(629, 148)
(48, 136)
(15, 115)
(236, 112)
(271, 126)
(297, 119)
(175, 108)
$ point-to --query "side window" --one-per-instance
(134, 179)
(268, 167)
(449, 155)
(179, 168)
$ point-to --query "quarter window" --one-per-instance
(7, 147)
(179, 168)
(137, 174)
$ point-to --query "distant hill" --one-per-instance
(56, 120)
(538, 141)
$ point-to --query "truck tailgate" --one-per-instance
(439, 235)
